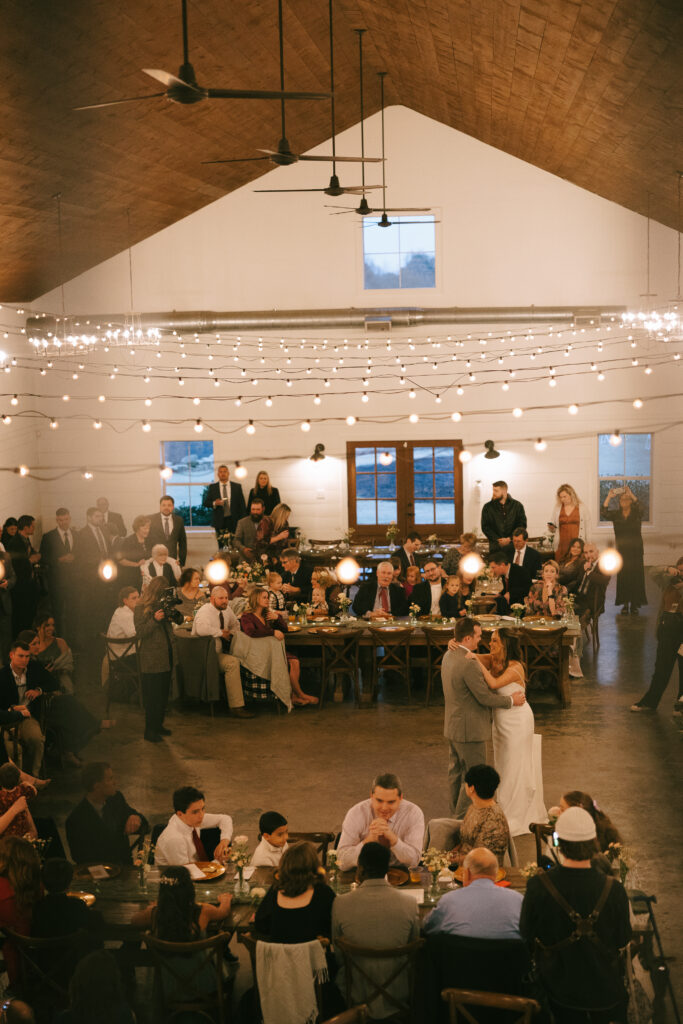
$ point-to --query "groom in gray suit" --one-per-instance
(467, 703)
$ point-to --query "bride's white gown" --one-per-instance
(517, 757)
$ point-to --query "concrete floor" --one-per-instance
(313, 765)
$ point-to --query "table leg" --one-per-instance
(565, 680)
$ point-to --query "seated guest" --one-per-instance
(577, 957)
(385, 818)
(20, 890)
(376, 915)
(160, 564)
(515, 579)
(122, 622)
(15, 817)
(57, 913)
(273, 533)
(296, 577)
(406, 553)
(605, 831)
(548, 597)
(523, 554)
(468, 583)
(325, 593)
(276, 598)
(260, 620)
(449, 602)
(96, 993)
(191, 595)
(16, 696)
(380, 597)
(131, 553)
(428, 593)
(413, 577)
(451, 560)
(54, 653)
(484, 823)
(571, 566)
(99, 828)
(246, 536)
(480, 910)
(217, 619)
(181, 841)
(273, 834)
(298, 906)
(591, 583)
(263, 489)
(398, 568)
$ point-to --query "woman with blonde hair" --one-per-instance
(20, 890)
(263, 489)
(549, 596)
(272, 533)
(157, 652)
(325, 593)
(570, 520)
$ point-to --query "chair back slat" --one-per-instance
(402, 960)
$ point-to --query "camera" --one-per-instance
(167, 604)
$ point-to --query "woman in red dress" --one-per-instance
(20, 890)
(570, 520)
(261, 620)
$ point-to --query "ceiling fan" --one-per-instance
(363, 208)
(334, 188)
(283, 156)
(184, 88)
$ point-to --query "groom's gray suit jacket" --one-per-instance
(467, 699)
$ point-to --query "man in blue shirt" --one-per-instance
(480, 910)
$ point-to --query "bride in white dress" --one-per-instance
(516, 749)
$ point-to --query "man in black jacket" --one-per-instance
(406, 554)
(526, 556)
(58, 565)
(100, 826)
(500, 517)
(226, 499)
(516, 581)
(380, 597)
(7, 581)
(21, 690)
(169, 529)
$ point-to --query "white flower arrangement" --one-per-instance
(530, 869)
(436, 860)
(238, 853)
(414, 610)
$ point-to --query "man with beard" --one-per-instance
(245, 535)
(500, 517)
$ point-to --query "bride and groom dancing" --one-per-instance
(473, 686)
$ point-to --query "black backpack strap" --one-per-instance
(584, 927)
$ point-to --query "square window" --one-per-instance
(400, 256)
(626, 464)
(192, 463)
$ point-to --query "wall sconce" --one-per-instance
(318, 453)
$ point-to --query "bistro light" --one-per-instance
(347, 571)
(615, 439)
(240, 471)
(386, 458)
(107, 570)
(610, 561)
(464, 455)
(217, 571)
(471, 564)
(166, 473)
(540, 445)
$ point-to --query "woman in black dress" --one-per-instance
(298, 906)
(132, 553)
(263, 489)
(629, 542)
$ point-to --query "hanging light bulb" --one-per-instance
(471, 563)
(6, 419)
(217, 571)
(637, 403)
(108, 570)
(23, 471)
(456, 416)
(53, 424)
(540, 445)
(250, 428)
(196, 401)
(386, 458)
(146, 426)
(97, 425)
(464, 455)
(573, 409)
(198, 426)
(610, 561)
(350, 421)
(316, 400)
(414, 418)
(166, 473)
(347, 571)
(14, 400)
(306, 426)
(517, 412)
(240, 471)
(615, 439)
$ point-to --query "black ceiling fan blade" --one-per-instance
(237, 160)
(289, 190)
(346, 159)
(167, 79)
(261, 94)
(405, 209)
(115, 103)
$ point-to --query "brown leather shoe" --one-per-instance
(240, 713)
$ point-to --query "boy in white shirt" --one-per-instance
(274, 834)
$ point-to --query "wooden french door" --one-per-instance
(415, 484)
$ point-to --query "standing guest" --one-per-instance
(570, 520)
(384, 818)
(182, 841)
(160, 564)
(298, 906)
(58, 914)
(380, 597)
(375, 915)
(451, 560)
(226, 499)
(260, 620)
(406, 553)
(169, 529)
(325, 591)
(57, 562)
(54, 653)
(131, 553)
(190, 593)
(273, 835)
(20, 890)
(24, 561)
(428, 593)
(629, 541)
(480, 910)
(515, 580)
(112, 521)
(94, 594)
(467, 709)
(96, 993)
(276, 597)
(549, 596)
(9, 530)
(524, 555)
(575, 920)
(449, 602)
(592, 581)
(669, 643)
(7, 581)
(296, 577)
(157, 656)
(500, 517)
(413, 577)
(246, 534)
(217, 619)
(571, 567)
(274, 533)
(263, 489)
(100, 827)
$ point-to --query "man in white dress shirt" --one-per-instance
(217, 619)
(160, 564)
(122, 622)
(181, 841)
(385, 818)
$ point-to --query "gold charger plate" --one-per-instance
(488, 618)
(293, 629)
(113, 871)
(457, 874)
(397, 876)
(85, 897)
(211, 870)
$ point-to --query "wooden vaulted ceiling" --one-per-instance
(590, 90)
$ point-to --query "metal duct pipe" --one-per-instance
(325, 319)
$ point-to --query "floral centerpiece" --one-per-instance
(392, 532)
(435, 861)
(238, 854)
(224, 538)
(254, 573)
(38, 844)
(517, 610)
(414, 610)
(301, 611)
(332, 871)
(619, 857)
(530, 869)
(141, 860)
(344, 603)
(432, 539)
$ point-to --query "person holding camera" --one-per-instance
(629, 542)
(152, 616)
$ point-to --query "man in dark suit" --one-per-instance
(516, 581)
(227, 501)
(428, 593)
(500, 517)
(380, 596)
(296, 577)
(100, 826)
(58, 563)
(7, 581)
(24, 561)
(406, 554)
(112, 521)
(525, 555)
(95, 595)
(169, 529)
(22, 684)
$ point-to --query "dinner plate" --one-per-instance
(85, 897)
(293, 629)
(488, 618)
(82, 871)
(211, 870)
(397, 876)
(502, 873)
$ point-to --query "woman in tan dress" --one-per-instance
(570, 520)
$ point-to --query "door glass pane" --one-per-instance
(445, 512)
(386, 512)
(444, 485)
(424, 512)
(610, 459)
(637, 454)
(423, 460)
(423, 485)
(176, 457)
(365, 485)
(443, 459)
(366, 512)
(386, 485)
(365, 460)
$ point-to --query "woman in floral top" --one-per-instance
(484, 823)
(547, 598)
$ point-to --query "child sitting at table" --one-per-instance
(276, 598)
(413, 577)
(273, 833)
(449, 602)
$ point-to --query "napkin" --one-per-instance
(98, 871)
(195, 873)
